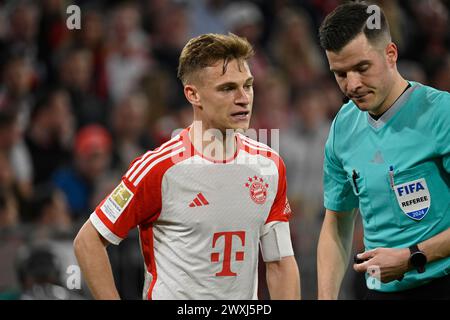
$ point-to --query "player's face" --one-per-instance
(224, 100)
(365, 73)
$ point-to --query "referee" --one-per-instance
(388, 154)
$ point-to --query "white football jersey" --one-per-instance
(200, 222)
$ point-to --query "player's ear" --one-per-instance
(192, 95)
(391, 53)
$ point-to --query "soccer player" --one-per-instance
(388, 154)
(203, 201)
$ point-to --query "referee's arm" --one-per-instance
(437, 247)
(333, 252)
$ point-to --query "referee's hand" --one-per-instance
(392, 263)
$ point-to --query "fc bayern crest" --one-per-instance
(258, 189)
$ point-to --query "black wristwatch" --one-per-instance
(417, 259)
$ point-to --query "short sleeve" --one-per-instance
(280, 210)
(128, 206)
(275, 235)
(338, 194)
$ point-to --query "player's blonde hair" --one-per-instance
(205, 50)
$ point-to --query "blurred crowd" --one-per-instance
(77, 106)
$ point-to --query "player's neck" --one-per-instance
(213, 143)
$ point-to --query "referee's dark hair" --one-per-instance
(346, 22)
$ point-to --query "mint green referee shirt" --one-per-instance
(396, 170)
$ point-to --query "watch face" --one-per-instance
(418, 259)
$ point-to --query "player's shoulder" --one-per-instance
(154, 163)
(249, 143)
(254, 147)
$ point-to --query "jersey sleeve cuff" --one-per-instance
(103, 230)
(336, 206)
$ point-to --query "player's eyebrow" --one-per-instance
(227, 84)
(359, 64)
(233, 84)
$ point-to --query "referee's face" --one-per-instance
(224, 100)
(365, 73)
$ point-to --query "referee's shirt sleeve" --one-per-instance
(440, 126)
(338, 193)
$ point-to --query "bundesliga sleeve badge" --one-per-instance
(413, 198)
(117, 202)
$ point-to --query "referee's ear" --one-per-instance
(392, 53)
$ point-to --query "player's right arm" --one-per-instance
(333, 252)
(90, 250)
(135, 201)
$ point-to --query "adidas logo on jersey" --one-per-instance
(378, 158)
(199, 201)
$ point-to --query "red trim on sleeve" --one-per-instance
(280, 210)
(145, 204)
(146, 237)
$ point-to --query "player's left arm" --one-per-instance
(283, 279)
(282, 274)
(394, 262)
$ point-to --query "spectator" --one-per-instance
(50, 134)
(206, 15)
(92, 157)
(302, 147)
(50, 211)
(128, 51)
(245, 19)
(21, 33)
(16, 152)
(16, 92)
(9, 215)
(295, 49)
(129, 125)
(53, 34)
(92, 37)
(76, 75)
(39, 270)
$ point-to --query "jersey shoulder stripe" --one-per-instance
(175, 152)
(137, 166)
(152, 158)
(254, 147)
(258, 146)
(255, 144)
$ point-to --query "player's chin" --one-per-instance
(239, 125)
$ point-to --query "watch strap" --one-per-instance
(414, 248)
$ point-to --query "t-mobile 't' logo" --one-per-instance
(228, 243)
